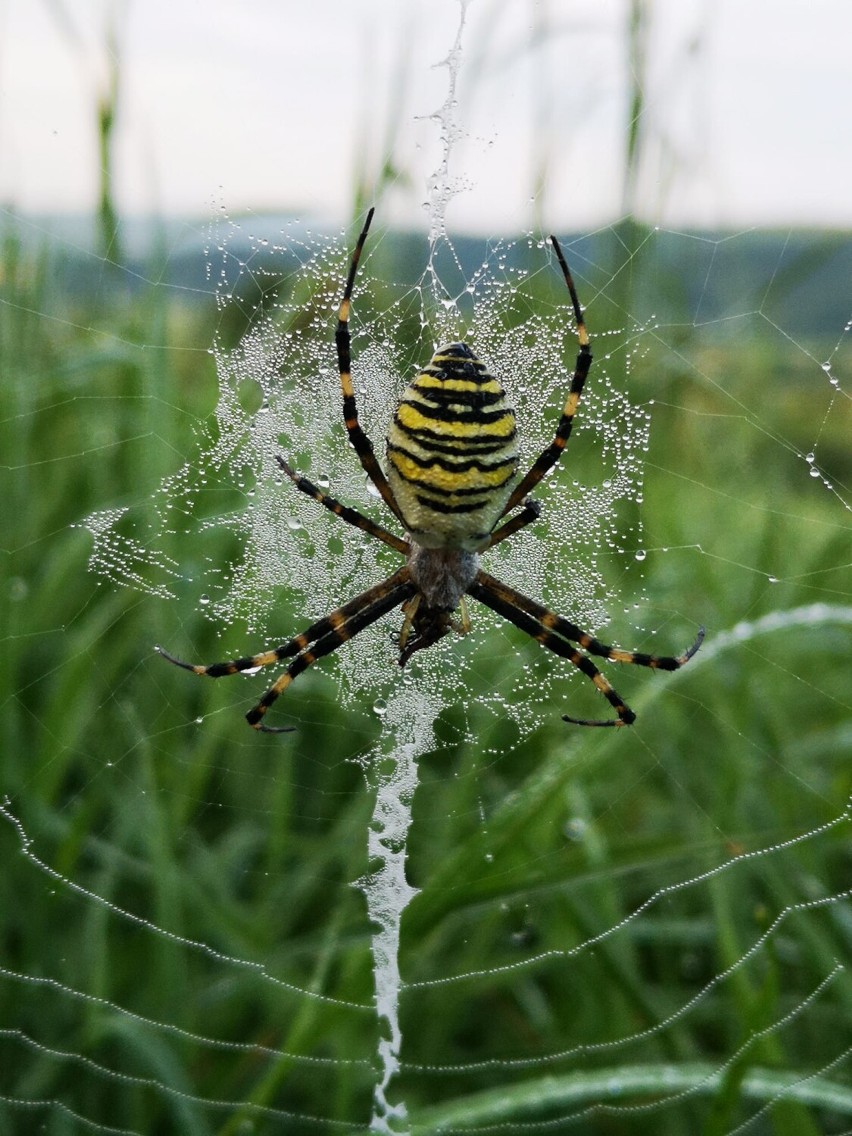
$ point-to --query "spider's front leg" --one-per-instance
(360, 442)
(343, 625)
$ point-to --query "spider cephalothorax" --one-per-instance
(442, 576)
(451, 463)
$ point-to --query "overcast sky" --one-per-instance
(282, 105)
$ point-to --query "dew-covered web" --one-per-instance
(435, 906)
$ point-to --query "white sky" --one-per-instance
(281, 105)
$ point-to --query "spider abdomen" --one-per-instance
(451, 451)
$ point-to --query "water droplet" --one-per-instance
(18, 589)
(575, 828)
(641, 554)
(204, 599)
(380, 707)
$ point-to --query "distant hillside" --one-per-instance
(799, 279)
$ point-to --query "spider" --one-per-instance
(451, 461)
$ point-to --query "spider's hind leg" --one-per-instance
(320, 639)
(237, 666)
(339, 627)
(559, 635)
(530, 512)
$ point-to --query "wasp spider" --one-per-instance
(451, 461)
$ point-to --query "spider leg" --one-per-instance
(351, 516)
(557, 634)
(530, 512)
(337, 626)
(276, 654)
(360, 613)
(499, 599)
(462, 625)
(551, 455)
(409, 610)
(360, 442)
(551, 621)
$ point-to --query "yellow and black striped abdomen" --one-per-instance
(451, 451)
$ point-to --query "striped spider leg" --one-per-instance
(558, 635)
(320, 639)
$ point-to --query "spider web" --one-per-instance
(614, 931)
